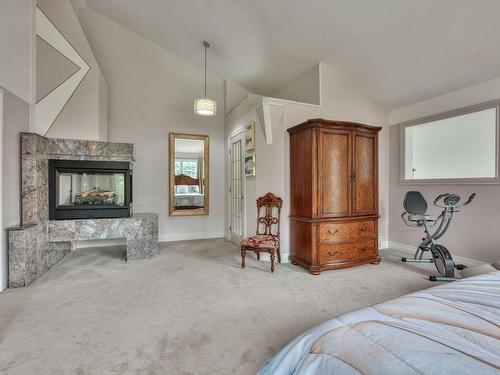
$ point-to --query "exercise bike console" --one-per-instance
(415, 215)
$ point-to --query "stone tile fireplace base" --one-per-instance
(39, 243)
(140, 231)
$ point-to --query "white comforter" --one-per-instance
(189, 200)
(450, 329)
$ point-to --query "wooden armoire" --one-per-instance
(334, 194)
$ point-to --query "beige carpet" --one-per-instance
(192, 310)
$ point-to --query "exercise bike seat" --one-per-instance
(415, 203)
(416, 207)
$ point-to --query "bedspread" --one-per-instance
(189, 200)
(449, 329)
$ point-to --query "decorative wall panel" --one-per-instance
(49, 106)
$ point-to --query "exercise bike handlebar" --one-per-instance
(472, 196)
(445, 195)
(439, 197)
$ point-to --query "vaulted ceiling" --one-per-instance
(400, 51)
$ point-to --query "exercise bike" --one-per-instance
(415, 215)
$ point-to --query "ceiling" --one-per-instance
(399, 51)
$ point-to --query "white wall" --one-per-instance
(16, 28)
(151, 95)
(234, 94)
(103, 109)
(474, 232)
(476, 94)
(341, 99)
(305, 89)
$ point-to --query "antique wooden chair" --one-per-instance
(264, 240)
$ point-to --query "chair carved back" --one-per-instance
(265, 206)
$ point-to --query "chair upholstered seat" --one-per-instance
(261, 241)
(265, 240)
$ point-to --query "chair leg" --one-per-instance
(272, 261)
(243, 254)
(258, 254)
(279, 254)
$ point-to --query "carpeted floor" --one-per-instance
(192, 310)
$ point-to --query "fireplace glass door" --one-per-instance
(80, 189)
(106, 189)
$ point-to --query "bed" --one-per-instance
(189, 200)
(450, 329)
(187, 192)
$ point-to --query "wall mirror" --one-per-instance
(189, 159)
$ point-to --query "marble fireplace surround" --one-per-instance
(39, 243)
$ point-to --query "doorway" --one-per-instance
(236, 188)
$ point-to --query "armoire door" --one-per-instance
(334, 173)
(365, 176)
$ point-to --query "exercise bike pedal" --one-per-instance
(460, 266)
(442, 278)
(413, 260)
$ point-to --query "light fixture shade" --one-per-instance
(205, 107)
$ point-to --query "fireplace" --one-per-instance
(81, 189)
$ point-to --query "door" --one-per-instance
(237, 222)
(365, 174)
(335, 173)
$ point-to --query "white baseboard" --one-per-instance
(401, 247)
(409, 250)
(169, 237)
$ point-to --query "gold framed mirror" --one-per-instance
(189, 160)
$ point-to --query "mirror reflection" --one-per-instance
(188, 174)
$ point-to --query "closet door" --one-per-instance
(365, 174)
(334, 164)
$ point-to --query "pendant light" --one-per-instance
(205, 106)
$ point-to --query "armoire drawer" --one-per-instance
(347, 251)
(349, 230)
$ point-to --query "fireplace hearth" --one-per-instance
(83, 189)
